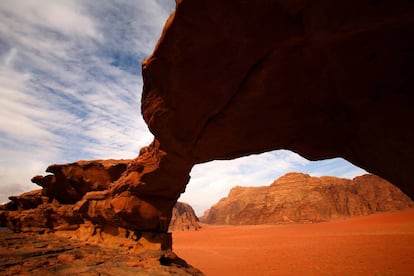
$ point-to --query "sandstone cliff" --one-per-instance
(183, 218)
(300, 198)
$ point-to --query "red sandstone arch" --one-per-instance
(229, 78)
(321, 78)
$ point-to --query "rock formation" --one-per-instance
(69, 206)
(183, 218)
(52, 207)
(143, 197)
(60, 205)
(300, 198)
(321, 78)
(137, 195)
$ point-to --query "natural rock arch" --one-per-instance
(230, 78)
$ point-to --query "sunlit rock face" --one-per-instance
(321, 78)
(300, 198)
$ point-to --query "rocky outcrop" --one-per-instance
(183, 218)
(72, 197)
(143, 197)
(137, 195)
(52, 207)
(71, 202)
(321, 78)
(68, 183)
(79, 201)
(300, 198)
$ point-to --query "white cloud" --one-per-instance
(64, 17)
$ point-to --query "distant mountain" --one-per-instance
(183, 218)
(300, 198)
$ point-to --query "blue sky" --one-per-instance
(70, 85)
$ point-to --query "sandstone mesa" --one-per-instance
(300, 198)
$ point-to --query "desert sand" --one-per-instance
(380, 244)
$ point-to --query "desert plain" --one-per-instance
(379, 244)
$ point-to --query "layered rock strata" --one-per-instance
(300, 198)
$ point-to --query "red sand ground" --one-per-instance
(381, 244)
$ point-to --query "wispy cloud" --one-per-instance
(70, 82)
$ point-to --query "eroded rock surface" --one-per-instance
(68, 183)
(143, 197)
(300, 198)
(137, 195)
(55, 208)
(52, 207)
(50, 254)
